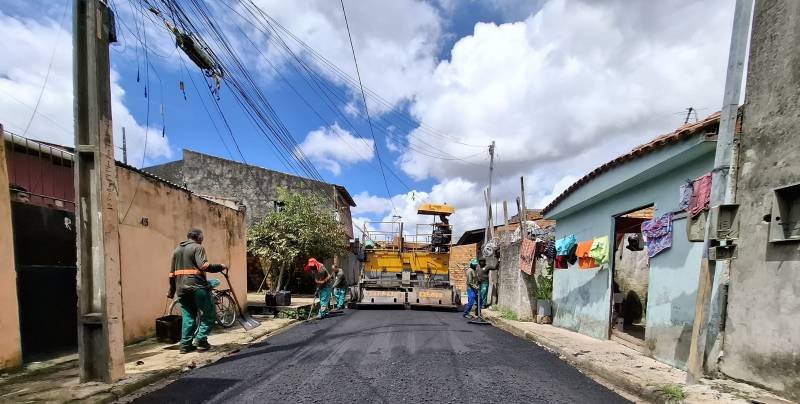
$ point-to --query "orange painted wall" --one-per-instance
(146, 250)
(10, 348)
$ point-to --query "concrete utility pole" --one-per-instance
(100, 338)
(490, 234)
(723, 186)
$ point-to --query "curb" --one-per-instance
(127, 387)
(646, 392)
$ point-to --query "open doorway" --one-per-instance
(631, 274)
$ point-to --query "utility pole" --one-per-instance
(723, 188)
(100, 337)
(490, 231)
(124, 147)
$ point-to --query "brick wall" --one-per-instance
(459, 257)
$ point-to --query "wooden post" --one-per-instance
(523, 215)
(100, 334)
(505, 214)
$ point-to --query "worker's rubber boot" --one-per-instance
(202, 345)
(187, 349)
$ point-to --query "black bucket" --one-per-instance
(168, 328)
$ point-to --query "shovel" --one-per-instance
(245, 319)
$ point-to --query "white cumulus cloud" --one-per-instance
(29, 45)
(569, 87)
(333, 146)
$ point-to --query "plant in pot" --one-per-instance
(544, 295)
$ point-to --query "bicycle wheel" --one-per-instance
(226, 310)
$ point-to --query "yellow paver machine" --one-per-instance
(407, 269)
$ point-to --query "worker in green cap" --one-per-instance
(483, 282)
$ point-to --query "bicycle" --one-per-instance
(223, 304)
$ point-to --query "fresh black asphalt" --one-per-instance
(388, 356)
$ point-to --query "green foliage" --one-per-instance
(544, 283)
(672, 392)
(507, 314)
(304, 227)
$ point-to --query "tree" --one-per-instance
(303, 227)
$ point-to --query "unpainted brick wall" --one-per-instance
(459, 257)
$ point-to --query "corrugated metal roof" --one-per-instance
(660, 142)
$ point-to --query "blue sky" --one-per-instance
(562, 86)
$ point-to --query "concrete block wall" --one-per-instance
(762, 333)
(517, 290)
(459, 257)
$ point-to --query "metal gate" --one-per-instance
(45, 254)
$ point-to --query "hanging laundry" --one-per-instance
(696, 227)
(564, 244)
(565, 251)
(701, 195)
(658, 234)
(527, 255)
(582, 251)
(686, 192)
(599, 250)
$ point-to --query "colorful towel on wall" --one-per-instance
(658, 234)
(599, 250)
(701, 195)
(527, 255)
(582, 251)
(565, 244)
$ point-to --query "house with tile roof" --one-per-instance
(642, 293)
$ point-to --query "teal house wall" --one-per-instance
(582, 298)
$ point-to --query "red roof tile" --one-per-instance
(659, 142)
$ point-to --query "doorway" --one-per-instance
(45, 256)
(631, 274)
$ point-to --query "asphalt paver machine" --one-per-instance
(400, 268)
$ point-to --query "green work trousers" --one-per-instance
(196, 305)
(324, 300)
(484, 294)
(339, 294)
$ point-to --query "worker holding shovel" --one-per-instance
(187, 277)
(322, 278)
(339, 287)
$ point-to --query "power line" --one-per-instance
(366, 108)
(47, 75)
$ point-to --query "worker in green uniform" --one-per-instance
(322, 278)
(472, 286)
(483, 281)
(187, 277)
(339, 286)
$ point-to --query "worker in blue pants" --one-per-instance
(483, 281)
(472, 287)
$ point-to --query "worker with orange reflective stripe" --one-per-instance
(187, 276)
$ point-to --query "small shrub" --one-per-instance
(508, 314)
(672, 392)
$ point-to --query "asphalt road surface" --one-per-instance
(388, 356)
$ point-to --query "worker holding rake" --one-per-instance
(322, 277)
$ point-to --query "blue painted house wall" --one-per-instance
(582, 298)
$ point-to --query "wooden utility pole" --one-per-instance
(523, 210)
(100, 337)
